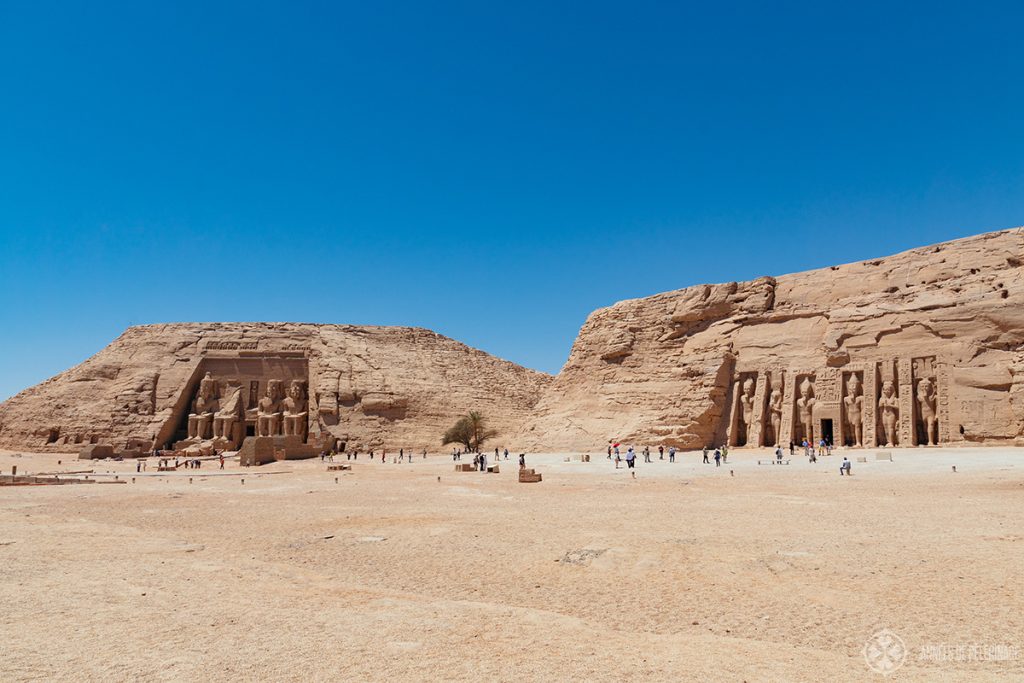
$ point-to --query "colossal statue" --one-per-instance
(203, 408)
(926, 401)
(295, 410)
(775, 410)
(268, 416)
(747, 408)
(854, 408)
(889, 407)
(805, 406)
(228, 416)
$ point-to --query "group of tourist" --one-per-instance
(720, 455)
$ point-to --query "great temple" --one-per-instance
(916, 349)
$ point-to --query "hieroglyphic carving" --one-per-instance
(942, 381)
(788, 399)
(827, 387)
(870, 403)
(231, 345)
(907, 433)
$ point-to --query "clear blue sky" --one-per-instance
(492, 171)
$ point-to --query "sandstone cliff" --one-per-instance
(669, 368)
(370, 386)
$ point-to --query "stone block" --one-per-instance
(96, 452)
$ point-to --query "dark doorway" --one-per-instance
(826, 431)
(250, 430)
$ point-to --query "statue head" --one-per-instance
(295, 390)
(925, 387)
(888, 388)
(806, 388)
(852, 384)
(208, 387)
(274, 389)
(748, 387)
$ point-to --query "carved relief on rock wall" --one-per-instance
(853, 409)
(926, 398)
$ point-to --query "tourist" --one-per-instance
(401, 454)
(424, 453)
(828, 448)
(778, 455)
(617, 459)
(138, 465)
(630, 457)
(821, 447)
(718, 458)
(483, 462)
(506, 454)
(661, 452)
(609, 451)
(725, 453)
(791, 448)
(616, 451)
(844, 467)
(222, 461)
(671, 453)
(706, 461)
(522, 460)
(496, 457)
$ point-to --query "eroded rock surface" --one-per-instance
(368, 386)
(712, 364)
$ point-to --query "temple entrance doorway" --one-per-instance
(826, 431)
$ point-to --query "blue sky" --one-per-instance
(492, 171)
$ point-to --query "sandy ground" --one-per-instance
(687, 572)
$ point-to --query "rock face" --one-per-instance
(371, 387)
(922, 347)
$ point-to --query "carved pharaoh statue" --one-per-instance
(295, 410)
(854, 402)
(889, 408)
(926, 401)
(229, 415)
(805, 408)
(747, 407)
(775, 413)
(268, 415)
(203, 408)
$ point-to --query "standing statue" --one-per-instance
(228, 416)
(889, 407)
(268, 416)
(854, 408)
(295, 410)
(775, 410)
(747, 408)
(805, 405)
(203, 409)
(926, 400)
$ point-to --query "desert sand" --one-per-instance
(745, 572)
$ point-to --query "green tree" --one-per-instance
(469, 430)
